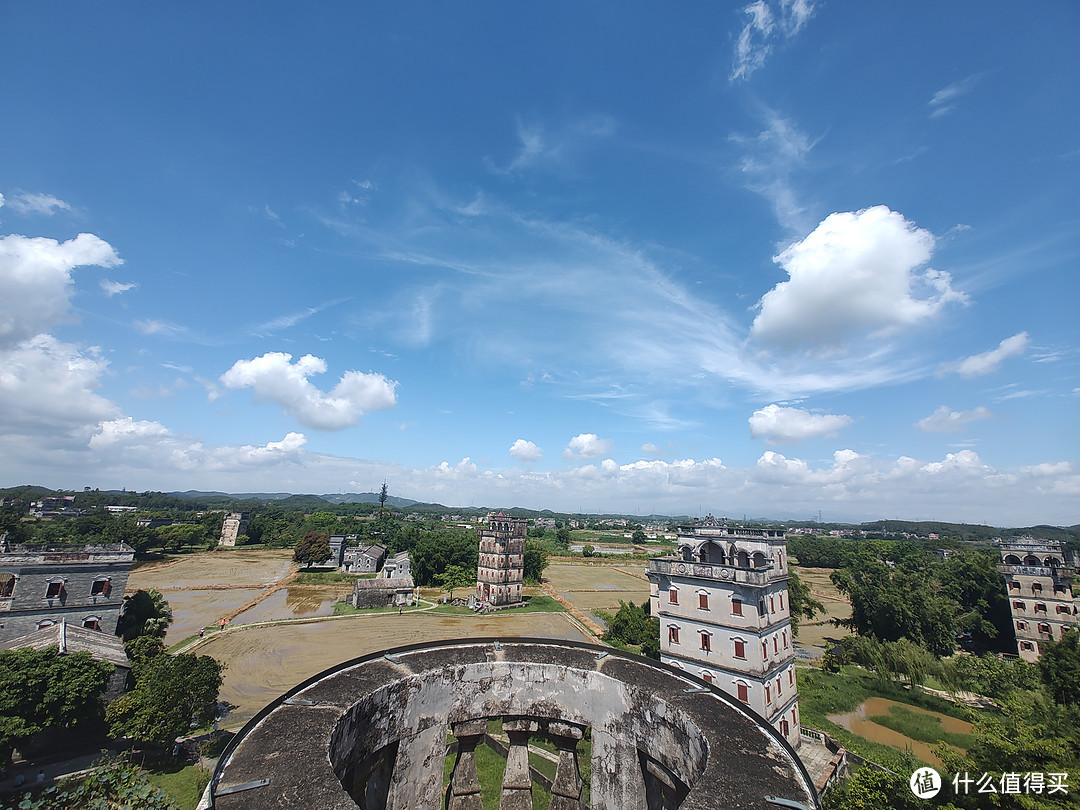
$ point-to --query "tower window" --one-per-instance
(54, 589)
(673, 596)
(673, 635)
(743, 693)
(703, 601)
(740, 649)
(705, 643)
(736, 607)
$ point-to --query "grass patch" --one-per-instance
(921, 727)
(183, 783)
(823, 693)
(329, 578)
(345, 609)
(210, 628)
(449, 609)
(541, 604)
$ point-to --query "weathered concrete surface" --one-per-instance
(323, 747)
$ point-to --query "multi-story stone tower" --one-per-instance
(1038, 580)
(234, 525)
(724, 616)
(501, 566)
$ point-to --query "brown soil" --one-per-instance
(264, 662)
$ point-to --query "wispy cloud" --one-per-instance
(946, 420)
(770, 160)
(111, 288)
(44, 204)
(767, 24)
(978, 365)
(944, 100)
(548, 146)
(292, 319)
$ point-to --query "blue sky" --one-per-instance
(765, 260)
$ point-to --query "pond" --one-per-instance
(860, 722)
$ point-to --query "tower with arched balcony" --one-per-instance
(501, 563)
(724, 615)
(1038, 580)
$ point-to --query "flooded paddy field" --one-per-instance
(816, 635)
(294, 602)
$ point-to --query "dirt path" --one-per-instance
(582, 619)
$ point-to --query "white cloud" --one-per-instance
(946, 420)
(524, 450)
(652, 449)
(124, 430)
(944, 100)
(45, 204)
(988, 362)
(47, 385)
(772, 157)
(112, 288)
(586, 445)
(542, 146)
(780, 425)
(35, 280)
(765, 26)
(275, 379)
(856, 273)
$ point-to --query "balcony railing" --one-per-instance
(374, 733)
(720, 573)
(1035, 571)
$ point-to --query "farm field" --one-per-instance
(294, 602)
(263, 662)
(215, 568)
(599, 586)
(815, 636)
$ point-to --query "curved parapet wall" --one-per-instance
(373, 733)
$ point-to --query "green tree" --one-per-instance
(639, 537)
(171, 692)
(870, 789)
(42, 689)
(455, 577)
(801, 603)
(313, 548)
(628, 626)
(110, 785)
(180, 535)
(562, 537)
(587, 551)
(1059, 668)
(146, 613)
(535, 561)
(432, 552)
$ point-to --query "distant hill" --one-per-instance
(367, 497)
(195, 494)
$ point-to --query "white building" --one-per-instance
(722, 602)
(1038, 580)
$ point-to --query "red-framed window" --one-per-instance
(703, 601)
(673, 596)
(743, 693)
(673, 635)
(706, 644)
(736, 607)
(740, 649)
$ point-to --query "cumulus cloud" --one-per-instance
(855, 273)
(780, 425)
(765, 25)
(988, 362)
(524, 450)
(586, 445)
(142, 444)
(36, 283)
(946, 420)
(274, 378)
(47, 385)
(45, 204)
(111, 288)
